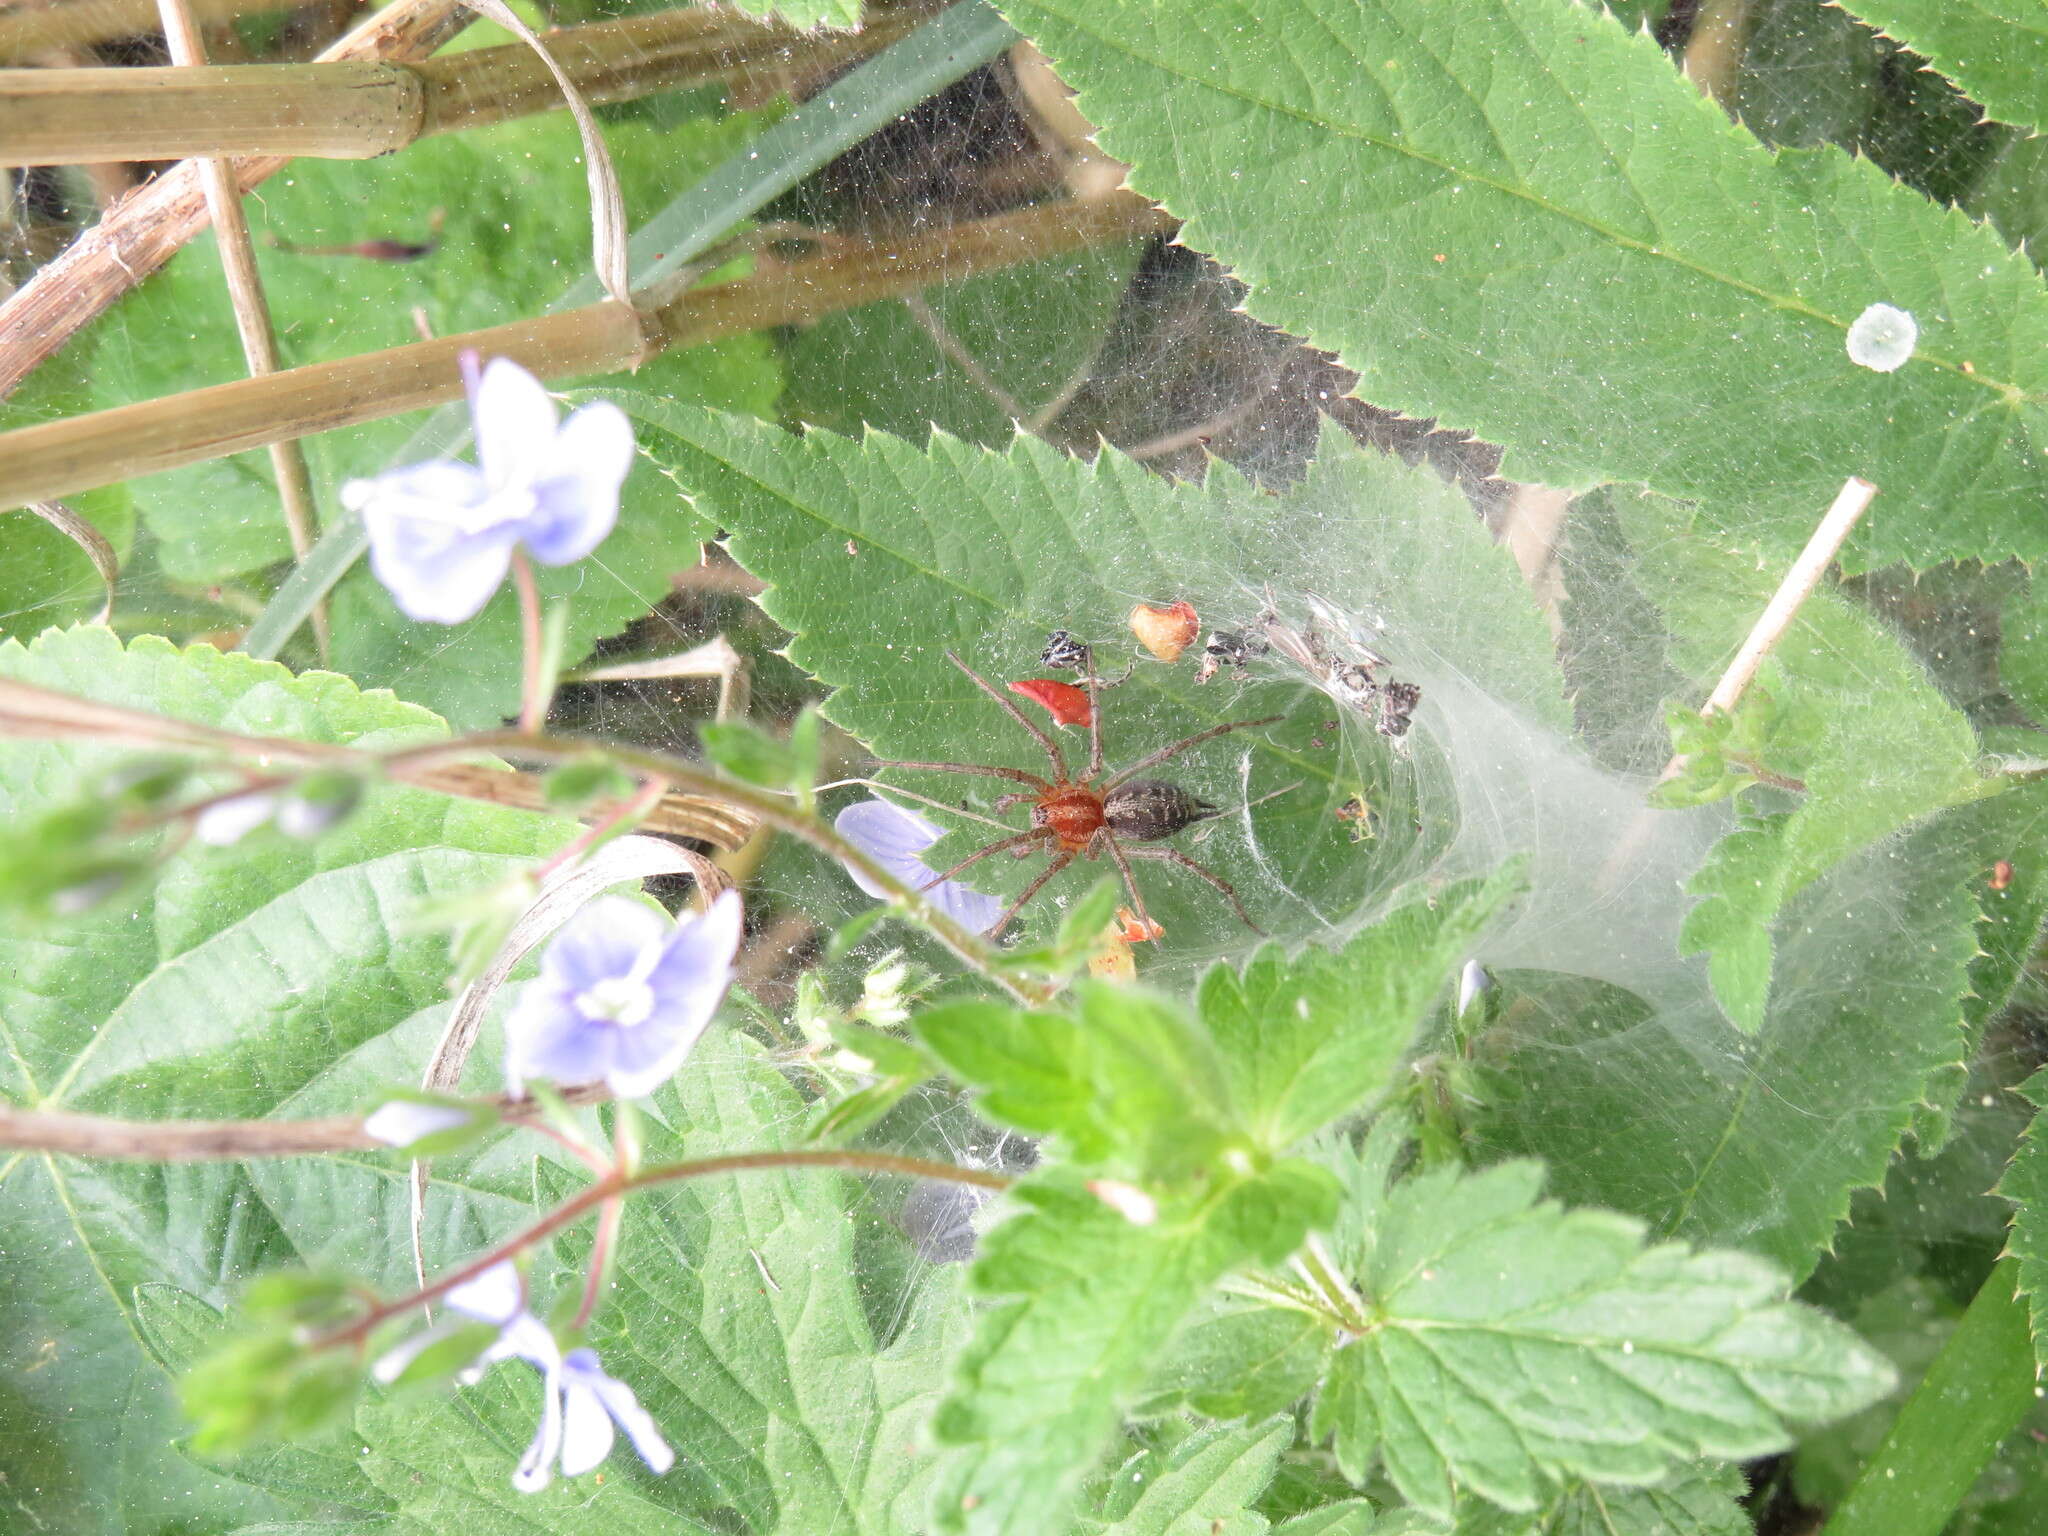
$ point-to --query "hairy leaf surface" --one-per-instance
(1559, 244)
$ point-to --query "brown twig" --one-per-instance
(661, 1173)
(138, 235)
(67, 1134)
(245, 294)
(62, 457)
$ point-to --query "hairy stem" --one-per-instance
(612, 1188)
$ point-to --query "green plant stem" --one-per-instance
(610, 1189)
(1971, 1398)
(771, 809)
(870, 97)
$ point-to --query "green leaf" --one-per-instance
(1129, 1084)
(739, 1318)
(1540, 196)
(984, 553)
(1852, 715)
(970, 358)
(1488, 1307)
(1306, 1040)
(1352, 1517)
(1996, 51)
(2026, 1185)
(1084, 1299)
(806, 13)
(230, 984)
(1700, 1500)
(1670, 1115)
(1241, 1362)
(1202, 1486)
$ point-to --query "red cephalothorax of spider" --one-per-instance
(1093, 815)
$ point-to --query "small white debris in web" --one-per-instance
(1883, 338)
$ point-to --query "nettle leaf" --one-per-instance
(1558, 243)
(515, 232)
(1698, 1501)
(2008, 833)
(1856, 720)
(1309, 1039)
(805, 13)
(882, 556)
(1237, 1361)
(1084, 1299)
(972, 358)
(1200, 1483)
(1127, 1083)
(1720, 1138)
(228, 986)
(738, 1316)
(1996, 51)
(2026, 1185)
(1488, 1308)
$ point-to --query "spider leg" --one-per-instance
(1060, 862)
(983, 852)
(1181, 746)
(1016, 774)
(1123, 867)
(1052, 749)
(1175, 856)
(1094, 717)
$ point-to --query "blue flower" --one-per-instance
(894, 837)
(442, 533)
(622, 996)
(579, 1403)
(591, 1403)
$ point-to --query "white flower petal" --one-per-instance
(497, 1296)
(1472, 984)
(401, 1122)
(390, 1365)
(636, 1421)
(586, 1427)
(536, 1467)
(229, 821)
(514, 423)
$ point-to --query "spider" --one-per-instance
(1074, 818)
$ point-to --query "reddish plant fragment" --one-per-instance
(1066, 704)
(1133, 930)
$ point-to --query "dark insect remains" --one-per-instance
(1095, 814)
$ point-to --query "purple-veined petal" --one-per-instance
(497, 1296)
(586, 1427)
(603, 941)
(688, 982)
(894, 837)
(547, 1037)
(401, 1122)
(438, 543)
(536, 1467)
(637, 1422)
(514, 422)
(229, 821)
(576, 494)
